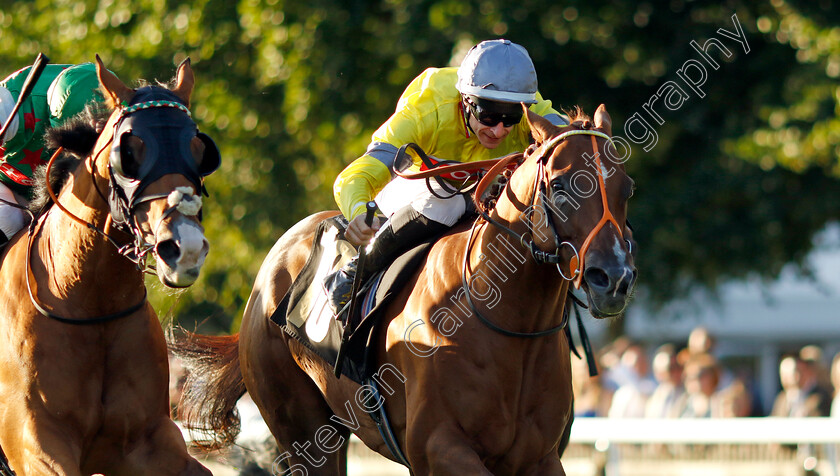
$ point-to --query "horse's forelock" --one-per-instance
(576, 114)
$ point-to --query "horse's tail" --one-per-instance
(213, 386)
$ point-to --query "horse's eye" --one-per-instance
(131, 156)
(559, 195)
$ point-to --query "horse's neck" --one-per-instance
(505, 265)
(75, 253)
(502, 264)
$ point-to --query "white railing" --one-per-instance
(683, 446)
(706, 430)
(665, 447)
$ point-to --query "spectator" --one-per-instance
(835, 381)
(734, 401)
(700, 341)
(812, 356)
(668, 374)
(816, 398)
(801, 396)
(702, 376)
(177, 378)
(610, 363)
(631, 397)
(789, 380)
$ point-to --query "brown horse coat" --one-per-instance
(84, 399)
(462, 398)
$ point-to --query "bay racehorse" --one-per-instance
(83, 358)
(474, 383)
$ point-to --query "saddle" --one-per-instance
(304, 312)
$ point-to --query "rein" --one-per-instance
(437, 171)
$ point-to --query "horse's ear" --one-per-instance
(184, 81)
(541, 128)
(603, 120)
(112, 87)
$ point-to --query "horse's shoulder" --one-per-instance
(453, 240)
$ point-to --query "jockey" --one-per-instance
(470, 113)
(61, 92)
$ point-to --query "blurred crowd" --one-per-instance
(688, 381)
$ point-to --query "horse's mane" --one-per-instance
(77, 136)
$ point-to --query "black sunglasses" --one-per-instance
(490, 118)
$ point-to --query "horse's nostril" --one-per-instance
(168, 251)
(596, 277)
(624, 286)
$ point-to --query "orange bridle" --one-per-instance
(607, 217)
(576, 263)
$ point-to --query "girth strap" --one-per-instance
(380, 417)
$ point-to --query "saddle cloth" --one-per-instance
(305, 315)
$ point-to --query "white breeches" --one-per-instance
(11, 219)
(401, 192)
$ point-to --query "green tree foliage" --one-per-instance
(737, 184)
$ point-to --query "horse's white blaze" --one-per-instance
(621, 256)
(192, 243)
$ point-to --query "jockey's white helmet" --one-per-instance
(498, 70)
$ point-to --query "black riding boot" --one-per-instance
(405, 229)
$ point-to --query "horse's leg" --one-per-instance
(443, 452)
(567, 434)
(550, 465)
(43, 448)
(161, 452)
(290, 403)
(138, 437)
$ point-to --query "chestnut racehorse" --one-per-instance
(473, 382)
(83, 359)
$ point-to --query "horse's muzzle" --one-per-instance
(609, 280)
(180, 252)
